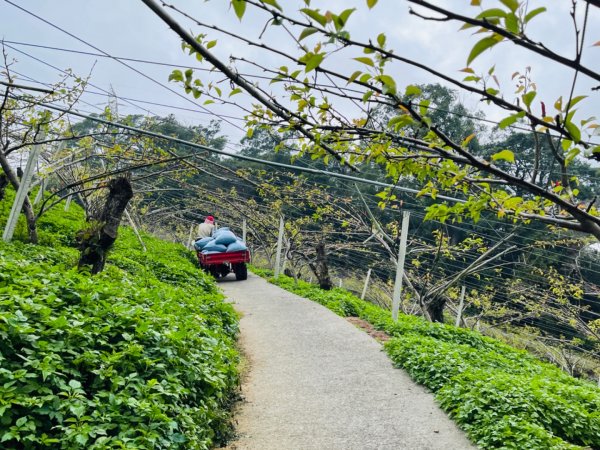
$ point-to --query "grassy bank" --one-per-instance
(502, 397)
(140, 356)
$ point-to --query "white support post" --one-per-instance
(364, 291)
(68, 203)
(461, 305)
(244, 230)
(40, 193)
(191, 237)
(135, 230)
(400, 266)
(279, 245)
(310, 280)
(341, 284)
(23, 190)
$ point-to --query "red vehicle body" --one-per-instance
(219, 265)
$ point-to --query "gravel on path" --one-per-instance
(315, 381)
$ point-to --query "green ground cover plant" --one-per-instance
(501, 396)
(141, 356)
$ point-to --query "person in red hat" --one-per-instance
(206, 229)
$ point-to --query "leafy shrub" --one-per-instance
(502, 397)
(141, 356)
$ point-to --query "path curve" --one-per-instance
(318, 382)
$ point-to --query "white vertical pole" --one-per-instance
(244, 230)
(191, 237)
(135, 230)
(40, 193)
(340, 282)
(310, 280)
(279, 244)
(364, 291)
(17, 206)
(461, 305)
(68, 203)
(400, 266)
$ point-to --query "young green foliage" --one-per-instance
(140, 356)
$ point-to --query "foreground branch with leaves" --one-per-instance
(317, 109)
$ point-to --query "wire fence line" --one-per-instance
(342, 265)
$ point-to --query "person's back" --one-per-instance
(206, 229)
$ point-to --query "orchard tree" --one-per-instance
(310, 93)
(23, 124)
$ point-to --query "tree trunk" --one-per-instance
(320, 268)
(435, 309)
(3, 184)
(96, 241)
(27, 207)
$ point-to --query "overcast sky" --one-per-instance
(127, 28)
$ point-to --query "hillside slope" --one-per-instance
(140, 356)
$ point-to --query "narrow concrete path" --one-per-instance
(317, 382)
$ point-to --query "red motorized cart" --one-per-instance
(219, 265)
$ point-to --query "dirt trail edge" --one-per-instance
(318, 382)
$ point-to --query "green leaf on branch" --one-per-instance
(504, 155)
(576, 100)
(412, 90)
(344, 15)
(573, 153)
(528, 98)
(389, 84)
(492, 12)
(424, 107)
(512, 202)
(531, 14)
(573, 130)
(400, 121)
(272, 3)
(365, 60)
(371, 3)
(239, 6)
(482, 45)
(512, 23)
(176, 75)
(315, 15)
(511, 4)
(307, 32)
(354, 76)
(235, 91)
(381, 40)
(511, 119)
(314, 61)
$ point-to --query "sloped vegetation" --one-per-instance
(140, 356)
(502, 397)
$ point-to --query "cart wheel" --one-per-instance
(241, 271)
